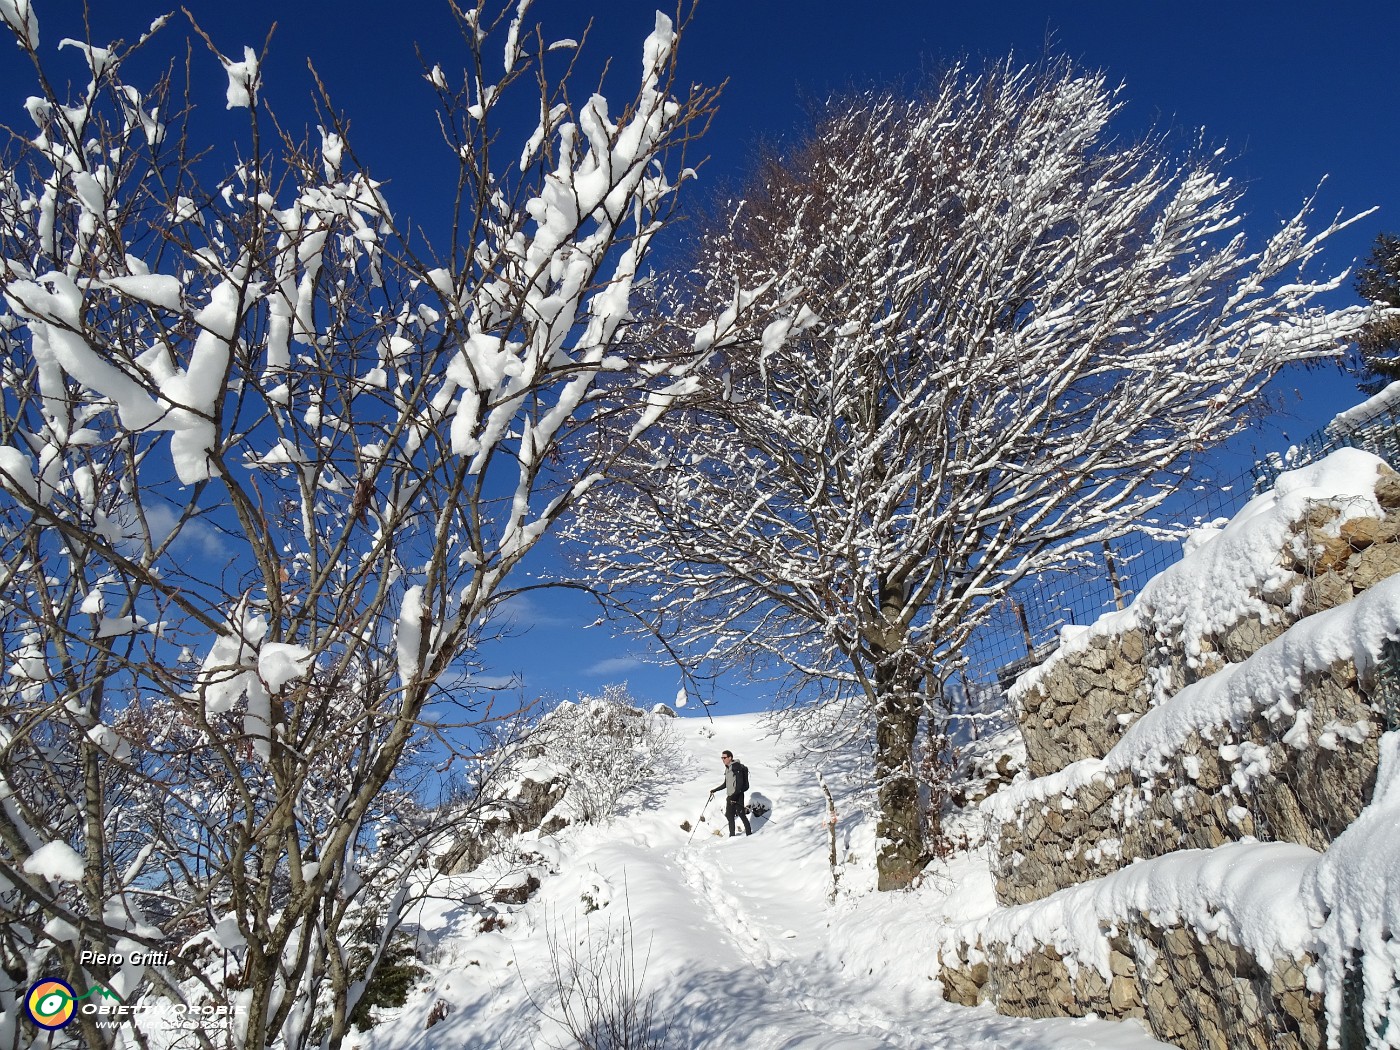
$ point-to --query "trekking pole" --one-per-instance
(700, 817)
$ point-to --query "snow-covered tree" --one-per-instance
(267, 466)
(957, 338)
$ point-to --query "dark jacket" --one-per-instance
(735, 774)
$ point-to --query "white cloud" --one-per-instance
(613, 665)
(195, 536)
(521, 612)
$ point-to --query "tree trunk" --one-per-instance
(900, 852)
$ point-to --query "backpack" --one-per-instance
(741, 776)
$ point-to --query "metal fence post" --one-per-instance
(1113, 576)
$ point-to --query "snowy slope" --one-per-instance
(744, 947)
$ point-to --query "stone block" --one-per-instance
(1374, 564)
(1323, 552)
(1121, 964)
(1327, 591)
(1388, 489)
(1246, 637)
(1094, 658)
(1132, 646)
(1123, 997)
(1362, 532)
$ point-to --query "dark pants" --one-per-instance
(734, 807)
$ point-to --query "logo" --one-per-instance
(50, 1003)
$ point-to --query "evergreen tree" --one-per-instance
(1379, 282)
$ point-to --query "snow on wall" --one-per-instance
(1267, 682)
(1224, 571)
(1389, 398)
(1276, 900)
(1249, 893)
(1352, 896)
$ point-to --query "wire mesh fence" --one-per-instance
(1025, 628)
(1389, 685)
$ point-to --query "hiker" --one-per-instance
(736, 782)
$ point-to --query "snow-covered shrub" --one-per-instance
(596, 893)
(388, 981)
(938, 760)
(607, 745)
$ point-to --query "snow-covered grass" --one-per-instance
(736, 938)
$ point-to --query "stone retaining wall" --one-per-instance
(1268, 775)
(1086, 700)
(1205, 796)
(1082, 705)
(1085, 703)
(1192, 989)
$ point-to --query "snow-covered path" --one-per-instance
(737, 936)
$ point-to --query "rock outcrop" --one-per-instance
(528, 806)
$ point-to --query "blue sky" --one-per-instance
(1295, 91)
